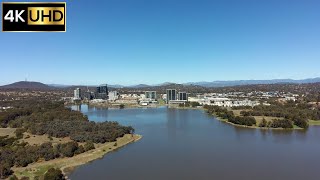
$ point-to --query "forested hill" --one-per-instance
(27, 85)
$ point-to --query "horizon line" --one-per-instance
(167, 82)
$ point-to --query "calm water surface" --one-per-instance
(191, 145)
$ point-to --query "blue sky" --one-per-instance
(153, 41)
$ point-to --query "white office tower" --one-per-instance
(77, 94)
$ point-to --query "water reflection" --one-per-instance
(172, 123)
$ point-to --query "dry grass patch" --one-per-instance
(237, 112)
(267, 118)
(40, 139)
(314, 123)
(7, 132)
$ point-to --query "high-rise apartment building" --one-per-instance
(77, 94)
(182, 96)
(102, 92)
(171, 95)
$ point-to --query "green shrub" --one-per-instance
(54, 174)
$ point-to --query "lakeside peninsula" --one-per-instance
(275, 116)
(67, 165)
(40, 138)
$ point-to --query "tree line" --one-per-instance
(248, 119)
(229, 115)
(189, 104)
(298, 113)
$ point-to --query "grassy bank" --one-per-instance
(68, 164)
(314, 123)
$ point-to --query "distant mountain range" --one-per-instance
(38, 85)
(252, 82)
(138, 86)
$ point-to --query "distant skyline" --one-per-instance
(155, 41)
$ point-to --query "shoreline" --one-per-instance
(68, 165)
(105, 106)
(126, 106)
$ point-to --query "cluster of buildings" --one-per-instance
(223, 101)
(172, 96)
(235, 99)
(282, 96)
(101, 93)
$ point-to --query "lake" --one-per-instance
(192, 145)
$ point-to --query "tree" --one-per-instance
(88, 146)
(5, 170)
(46, 151)
(318, 102)
(263, 123)
(54, 174)
(285, 123)
(195, 104)
(69, 149)
(19, 133)
(301, 123)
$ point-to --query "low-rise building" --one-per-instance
(113, 95)
(150, 95)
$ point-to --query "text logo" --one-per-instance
(24, 17)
